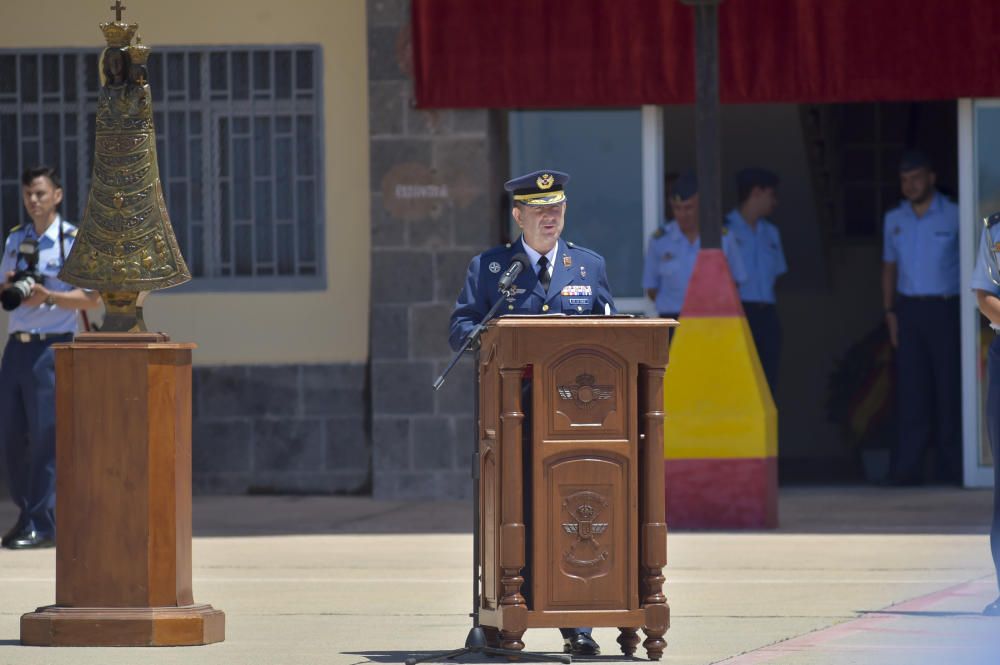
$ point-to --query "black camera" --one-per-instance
(12, 296)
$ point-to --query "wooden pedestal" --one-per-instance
(123, 499)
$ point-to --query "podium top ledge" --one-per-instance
(143, 340)
(576, 320)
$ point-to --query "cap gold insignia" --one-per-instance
(567, 262)
(545, 181)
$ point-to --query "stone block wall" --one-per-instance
(435, 190)
(283, 428)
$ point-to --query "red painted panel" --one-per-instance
(711, 291)
(722, 493)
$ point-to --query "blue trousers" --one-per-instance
(929, 388)
(993, 430)
(28, 431)
(762, 317)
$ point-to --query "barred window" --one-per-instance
(239, 141)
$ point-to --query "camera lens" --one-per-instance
(12, 296)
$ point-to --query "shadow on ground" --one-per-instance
(849, 509)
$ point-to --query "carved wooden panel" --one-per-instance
(490, 524)
(489, 391)
(583, 534)
(588, 392)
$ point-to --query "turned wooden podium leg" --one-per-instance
(654, 528)
(512, 536)
(629, 640)
(123, 499)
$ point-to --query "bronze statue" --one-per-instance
(125, 246)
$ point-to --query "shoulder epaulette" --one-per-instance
(583, 249)
(17, 228)
(992, 219)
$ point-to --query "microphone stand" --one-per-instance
(475, 641)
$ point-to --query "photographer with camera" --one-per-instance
(43, 311)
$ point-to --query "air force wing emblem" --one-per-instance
(585, 392)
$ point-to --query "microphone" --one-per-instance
(517, 264)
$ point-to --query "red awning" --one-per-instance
(585, 53)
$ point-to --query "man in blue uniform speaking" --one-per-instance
(42, 314)
(564, 279)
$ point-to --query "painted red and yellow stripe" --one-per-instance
(721, 428)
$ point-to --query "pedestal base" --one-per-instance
(55, 626)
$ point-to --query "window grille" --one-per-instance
(239, 140)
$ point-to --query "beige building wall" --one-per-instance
(268, 327)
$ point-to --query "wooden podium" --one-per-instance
(572, 519)
(123, 498)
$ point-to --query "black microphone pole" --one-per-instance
(476, 641)
(518, 263)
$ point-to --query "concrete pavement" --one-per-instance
(855, 575)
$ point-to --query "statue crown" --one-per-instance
(138, 53)
(118, 33)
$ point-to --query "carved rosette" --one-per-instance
(125, 243)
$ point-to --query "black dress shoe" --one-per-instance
(993, 609)
(13, 533)
(581, 644)
(31, 540)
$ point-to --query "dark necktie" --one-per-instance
(544, 278)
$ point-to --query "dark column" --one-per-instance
(707, 126)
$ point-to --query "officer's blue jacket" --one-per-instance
(579, 286)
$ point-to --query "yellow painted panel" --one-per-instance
(716, 397)
(256, 327)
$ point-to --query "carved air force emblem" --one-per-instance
(585, 392)
(545, 181)
(584, 509)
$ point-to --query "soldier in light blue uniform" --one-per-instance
(986, 284)
(27, 371)
(759, 244)
(920, 283)
(674, 247)
(563, 279)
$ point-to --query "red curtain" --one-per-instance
(579, 53)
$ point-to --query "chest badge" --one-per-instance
(567, 262)
(495, 267)
(583, 272)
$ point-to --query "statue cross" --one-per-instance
(118, 8)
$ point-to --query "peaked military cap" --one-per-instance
(539, 188)
(756, 177)
(912, 160)
(684, 187)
